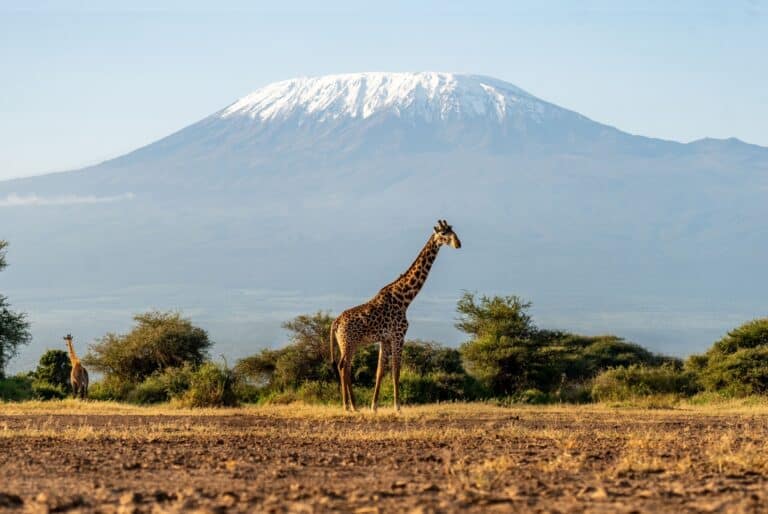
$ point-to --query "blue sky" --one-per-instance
(81, 82)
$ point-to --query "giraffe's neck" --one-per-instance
(410, 283)
(72, 356)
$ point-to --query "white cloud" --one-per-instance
(17, 200)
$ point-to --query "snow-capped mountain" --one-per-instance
(427, 96)
(312, 193)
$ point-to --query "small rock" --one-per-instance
(162, 496)
(129, 498)
(429, 488)
(10, 501)
(229, 499)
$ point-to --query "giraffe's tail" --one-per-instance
(333, 343)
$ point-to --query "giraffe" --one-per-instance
(79, 376)
(383, 320)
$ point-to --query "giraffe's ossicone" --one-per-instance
(383, 320)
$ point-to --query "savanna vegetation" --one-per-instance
(506, 358)
(14, 328)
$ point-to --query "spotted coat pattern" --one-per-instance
(383, 320)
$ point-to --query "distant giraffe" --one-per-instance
(383, 319)
(79, 376)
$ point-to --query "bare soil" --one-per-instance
(460, 459)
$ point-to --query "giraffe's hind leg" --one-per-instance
(348, 384)
(342, 380)
(379, 376)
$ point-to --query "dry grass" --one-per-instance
(567, 434)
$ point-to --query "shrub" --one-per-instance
(109, 389)
(211, 385)
(533, 397)
(424, 357)
(42, 390)
(16, 389)
(248, 393)
(54, 368)
(626, 383)
(318, 392)
(508, 354)
(737, 364)
(176, 381)
(753, 334)
(152, 390)
(429, 388)
(305, 358)
(740, 373)
(280, 397)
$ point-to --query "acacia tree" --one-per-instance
(503, 341)
(737, 363)
(160, 340)
(14, 328)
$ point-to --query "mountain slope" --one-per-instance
(312, 193)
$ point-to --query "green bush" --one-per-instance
(741, 373)
(54, 368)
(176, 381)
(42, 390)
(737, 364)
(279, 397)
(152, 390)
(429, 388)
(16, 389)
(573, 392)
(318, 392)
(211, 385)
(424, 357)
(630, 382)
(509, 355)
(248, 393)
(110, 389)
(305, 358)
(533, 397)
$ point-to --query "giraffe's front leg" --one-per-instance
(397, 352)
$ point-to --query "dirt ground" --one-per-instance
(91, 458)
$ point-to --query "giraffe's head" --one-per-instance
(68, 338)
(444, 235)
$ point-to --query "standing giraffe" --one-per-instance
(383, 319)
(79, 376)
